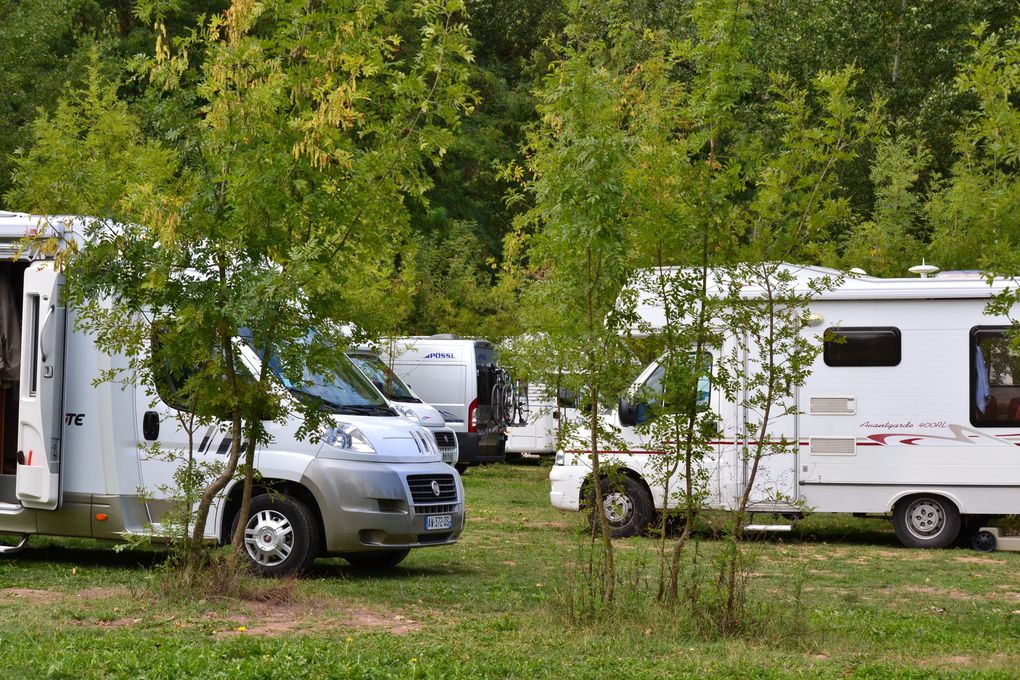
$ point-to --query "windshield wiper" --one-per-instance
(366, 410)
(404, 399)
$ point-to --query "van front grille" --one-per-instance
(424, 492)
(445, 440)
(435, 509)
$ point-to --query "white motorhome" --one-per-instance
(404, 401)
(548, 409)
(912, 408)
(73, 463)
(457, 377)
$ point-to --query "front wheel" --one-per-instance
(926, 521)
(377, 559)
(280, 537)
(627, 506)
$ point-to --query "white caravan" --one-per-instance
(913, 410)
(404, 401)
(457, 377)
(548, 409)
(73, 463)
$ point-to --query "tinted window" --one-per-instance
(870, 346)
(994, 378)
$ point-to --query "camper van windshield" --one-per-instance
(376, 370)
(348, 391)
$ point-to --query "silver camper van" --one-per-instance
(72, 461)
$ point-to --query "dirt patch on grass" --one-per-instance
(977, 560)
(903, 555)
(272, 619)
(948, 593)
(102, 593)
(31, 595)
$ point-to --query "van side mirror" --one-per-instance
(628, 414)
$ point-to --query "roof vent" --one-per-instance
(445, 336)
(923, 269)
(857, 271)
(969, 274)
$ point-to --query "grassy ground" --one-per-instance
(493, 606)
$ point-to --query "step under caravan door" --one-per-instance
(41, 395)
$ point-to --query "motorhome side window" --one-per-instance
(994, 378)
(862, 346)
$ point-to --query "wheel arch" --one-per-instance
(605, 472)
(904, 494)
(296, 490)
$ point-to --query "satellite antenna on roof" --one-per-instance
(923, 269)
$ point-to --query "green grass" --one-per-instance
(494, 606)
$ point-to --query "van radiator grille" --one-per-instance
(446, 440)
(423, 492)
(435, 509)
(833, 446)
(834, 406)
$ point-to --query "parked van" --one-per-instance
(548, 410)
(404, 401)
(912, 408)
(456, 376)
(72, 462)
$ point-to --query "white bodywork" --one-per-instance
(545, 415)
(863, 437)
(445, 372)
(83, 469)
(419, 412)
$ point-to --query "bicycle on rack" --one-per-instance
(509, 399)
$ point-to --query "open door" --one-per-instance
(42, 388)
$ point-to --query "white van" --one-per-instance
(912, 408)
(404, 401)
(457, 377)
(548, 410)
(72, 462)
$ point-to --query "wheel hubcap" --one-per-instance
(618, 508)
(268, 538)
(925, 518)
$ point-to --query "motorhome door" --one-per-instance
(41, 396)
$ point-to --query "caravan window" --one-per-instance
(994, 378)
(862, 346)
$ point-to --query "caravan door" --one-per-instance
(41, 397)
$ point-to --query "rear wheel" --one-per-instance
(926, 521)
(281, 536)
(626, 504)
(377, 559)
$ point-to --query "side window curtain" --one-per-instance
(994, 378)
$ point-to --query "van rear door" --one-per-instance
(41, 397)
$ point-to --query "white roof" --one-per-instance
(14, 227)
(946, 285)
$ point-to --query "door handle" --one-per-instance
(150, 426)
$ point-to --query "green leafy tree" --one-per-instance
(287, 136)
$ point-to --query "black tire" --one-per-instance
(281, 536)
(984, 541)
(926, 521)
(461, 467)
(626, 504)
(377, 559)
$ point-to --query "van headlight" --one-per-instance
(561, 458)
(408, 413)
(349, 438)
